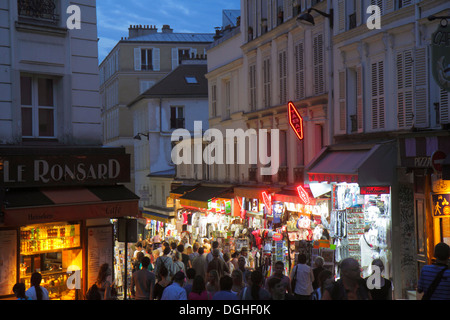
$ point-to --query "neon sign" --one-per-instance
(267, 201)
(295, 120)
(303, 195)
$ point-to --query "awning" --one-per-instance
(34, 205)
(367, 165)
(253, 192)
(291, 196)
(156, 216)
(181, 190)
(200, 196)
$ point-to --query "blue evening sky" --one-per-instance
(115, 16)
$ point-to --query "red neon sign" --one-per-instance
(303, 195)
(267, 201)
(295, 120)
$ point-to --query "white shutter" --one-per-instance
(319, 80)
(288, 9)
(156, 59)
(282, 72)
(342, 100)
(405, 114)
(174, 58)
(299, 71)
(341, 15)
(192, 53)
(137, 59)
(377, 95)
(444, 105)
(359, 99)
(390, 6)
(421, 88)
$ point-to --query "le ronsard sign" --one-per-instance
(66, 170)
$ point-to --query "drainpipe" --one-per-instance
(330, 108)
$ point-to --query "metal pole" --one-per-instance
(125, 290)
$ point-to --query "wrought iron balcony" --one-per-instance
(42, 10)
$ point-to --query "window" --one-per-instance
(252, 86)
(191, 79)
(227, 99)
(45, 11)
(282, 72)
(146, 59)
(37, 107)
(213, 100)
(176, 117)
(183, 54)
(266, 80)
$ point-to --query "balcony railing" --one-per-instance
(42, 10)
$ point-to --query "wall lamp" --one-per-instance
(138, 136)
(307, 18)
(444, 20)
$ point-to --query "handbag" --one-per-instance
(434, 284)
(294, 279)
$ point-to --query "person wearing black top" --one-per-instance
(384, 291)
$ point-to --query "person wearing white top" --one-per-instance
(31, 293)
(304, 279)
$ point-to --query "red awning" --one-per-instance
(30, 206)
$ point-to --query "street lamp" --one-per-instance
(307, 18)
(138, 136)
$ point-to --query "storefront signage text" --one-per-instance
(295, 120)
(374, 190)
(321, 177)
(65, 170)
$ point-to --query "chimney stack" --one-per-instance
(135, 31)
(166, 29)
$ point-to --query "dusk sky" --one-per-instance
(115, 16)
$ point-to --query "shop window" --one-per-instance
(420, 225)
(37, 107)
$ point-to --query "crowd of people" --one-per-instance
(206, 273)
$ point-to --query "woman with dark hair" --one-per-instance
(19, 291)
(36, 292)
(199, 291)
(162, 283)
(104, 286)
(255, 291)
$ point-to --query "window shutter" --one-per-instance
(318, 65)
(288, 9)
(174, 58)
(421, 88)
(156, 59)
(341, 15)
(390, 6)
(342, 100)
(359, 99)
(377, 96)
(299, 72)
(405, 113)
(359, 13)
(444, 105)
(137, 59)
(193, 53)
(282, 70)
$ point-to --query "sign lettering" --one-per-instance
(295, 120)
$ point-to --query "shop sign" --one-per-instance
(440, 56)
(295, 120)
(437, 159)
(267, 202)
(303, 195)
(338, 178)
(441, 205)
(65, 170)
(277, 236)
(374, 190)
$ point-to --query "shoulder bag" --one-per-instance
(434, 284)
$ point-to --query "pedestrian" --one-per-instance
(184, 257)
(318, 268)
(350, 286)
(380, 288)
(199, 263)
(434, 279)
(255, 291)
(194, 253)
(173, 249)
(210, 255)
(234, 259)
(226, 258)
(137, 262)
(218, 264)
(206, 245)
(190, 275)
(245, 271)
(199, 291)
(139, 248)
(324, 279)
(302, 277)
(149, 254)
(103, 284)
(278, 272)
(165, 260)
(238, 282)
(162, 283)
(277, 289)
(19, 291)
(175, 291)
(36, 292)
(177, 264)
(225, 284)
(143, 282)
(212, 285)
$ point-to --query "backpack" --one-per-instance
(93, 293)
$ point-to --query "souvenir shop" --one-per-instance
(359, 224)
(61, 229)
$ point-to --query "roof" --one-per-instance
(175, 84)
(229, 17)
(173, 37)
